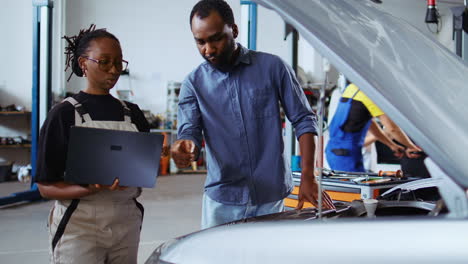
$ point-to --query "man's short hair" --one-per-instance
(204, 7)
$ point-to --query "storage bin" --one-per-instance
(5, 170)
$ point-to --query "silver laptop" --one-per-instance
(98, 156)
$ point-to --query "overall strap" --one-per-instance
(64, 221)
(79, 109)
(127, 112)
(141, 208)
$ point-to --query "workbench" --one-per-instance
(346, 191)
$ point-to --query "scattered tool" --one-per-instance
(335, 173)
(377, 181)
(360, 179)
(396, 174)
(363, 177)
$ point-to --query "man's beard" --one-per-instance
(223, 60)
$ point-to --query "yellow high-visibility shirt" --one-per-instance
(351, 89)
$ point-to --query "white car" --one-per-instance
(423, 87)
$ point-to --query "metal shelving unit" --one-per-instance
(41, 87)
(15, 146)
(19, 149)
(173, 89)
(14, 113)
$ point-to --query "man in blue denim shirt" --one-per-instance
(232, 100)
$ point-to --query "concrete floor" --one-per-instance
(172, 209)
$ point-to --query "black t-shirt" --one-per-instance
(358, 116)
(54, 134)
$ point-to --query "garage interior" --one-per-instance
(157, 41)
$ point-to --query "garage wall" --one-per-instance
(270, 34)
(16, 52)
(155, 38)
(414, 12)
(15, 72)
(270, 38)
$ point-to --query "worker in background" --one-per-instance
(411, 167)
(232, 99)
(90, 223)
(352, 120)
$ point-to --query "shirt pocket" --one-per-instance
(264, 102)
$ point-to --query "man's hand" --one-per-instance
(183, 152)
(398, 151)
(115, 186)
(308, 192)
(165, 151)
(413, 152)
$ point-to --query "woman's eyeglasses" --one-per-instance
(106, 65)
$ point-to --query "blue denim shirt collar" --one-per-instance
(244, 57)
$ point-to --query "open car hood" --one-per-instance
(419, 83)
(404, 241)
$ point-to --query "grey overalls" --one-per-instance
(100, 228)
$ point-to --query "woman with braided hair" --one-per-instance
(90, 223)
